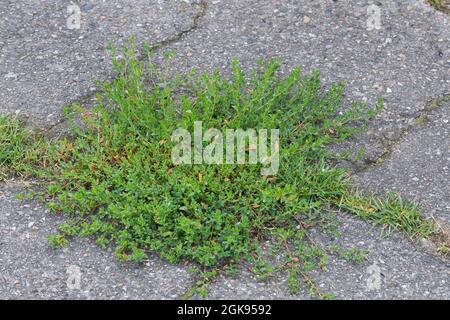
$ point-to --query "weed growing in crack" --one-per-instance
(20, 147)
(115, 180)
(391, 212)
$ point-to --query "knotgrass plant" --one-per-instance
(115, 179)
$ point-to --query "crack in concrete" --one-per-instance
(416, 121)
(195, 23)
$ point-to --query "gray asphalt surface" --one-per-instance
(44, 65)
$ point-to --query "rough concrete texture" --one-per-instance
(44, 65)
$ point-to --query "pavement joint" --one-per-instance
(418, 119)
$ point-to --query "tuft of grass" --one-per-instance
(20, 147)
(115, 179)
(391, 212)
(442, 5)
